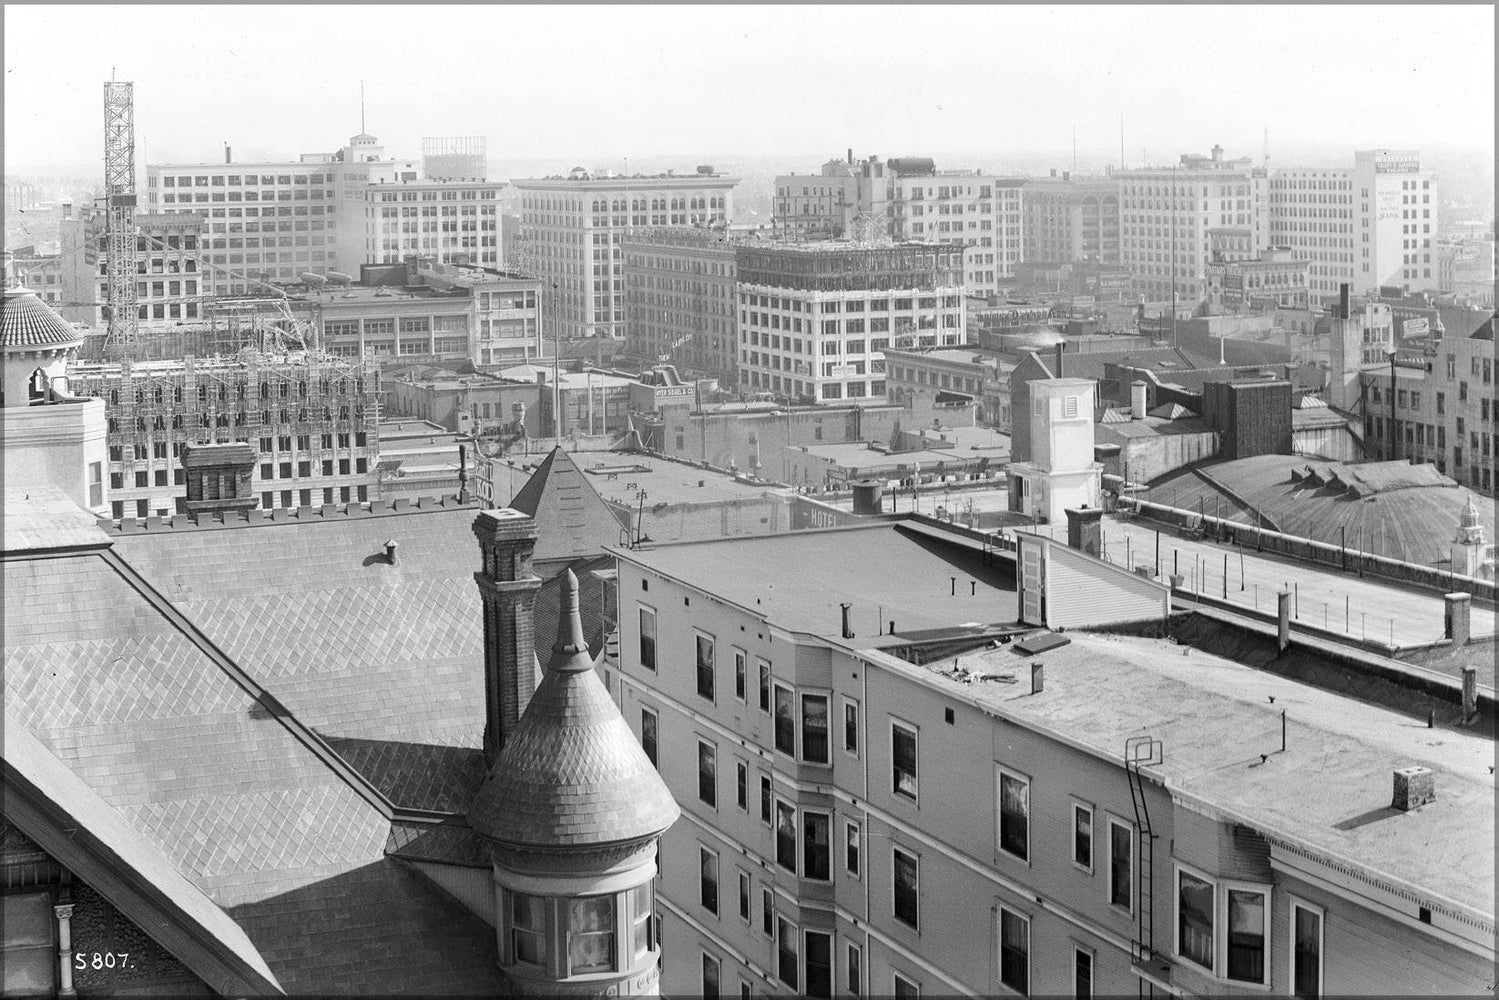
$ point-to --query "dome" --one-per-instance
(572, 774)
(28, 322)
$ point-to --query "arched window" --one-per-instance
(36, 389)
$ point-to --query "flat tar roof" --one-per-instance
(797, 580)
(1331, 788)
(619, 477)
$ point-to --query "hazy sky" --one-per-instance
(594, 84)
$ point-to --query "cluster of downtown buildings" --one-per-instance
(788, 741)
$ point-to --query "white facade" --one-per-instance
(981, 211)
(1061, 472)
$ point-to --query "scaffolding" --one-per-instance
(840, 266)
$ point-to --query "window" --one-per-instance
(1246, 935)
(708, 883)
(815, 728)
(1194, 918)
(744, 896)
(786, 835)
(786, 951)
(647, 638)
(527, 929)
(785, 721)
(851, 726)
(30, 953)
(96, 484)
(640, 930)
(1121, 863)
(707, 773)
(1082, 836)
(816, 845)
(764, 686)
(1014, 951)
(853, 968)
(648, 735)
(705, 666)
(1014, 814)
(764, 798)
(590, 935)
(819, 951)
(905, 989)
(710, 977)
(739, 670)
(903, 759)
(906, 888)
(741, 783)
(1082, 974)
(767, 911)
(1306, 950)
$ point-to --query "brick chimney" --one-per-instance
(1414, 788)
(1459, 617)
(508, 588)
(1085, 529)
(220, 477)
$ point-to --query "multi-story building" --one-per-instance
(313, 422)
(1439, 409)
(1277, 278)
(452, 222)
(171, 279)
(1368, 226)
(1071, 219)
(679, 300)
(908, 198)
(922, 376)
(815, 318)
(573, 230)
(1166, 214)
(884, 795)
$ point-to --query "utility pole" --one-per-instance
(1173, 255)
(1394, 437)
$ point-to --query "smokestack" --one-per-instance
(1137, 399)
(227, 157)
(1458, 618)
(1283, 620)
(1085, 529)
(850, 154)
(1053, 171)
(1061, 349)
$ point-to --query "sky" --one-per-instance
(598, 84)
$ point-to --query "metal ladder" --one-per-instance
(1144, 751)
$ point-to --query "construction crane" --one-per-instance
(119, 229)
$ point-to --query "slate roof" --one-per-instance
(572, 520)
(573, 773)
(26, 321)
(38, 518)
(141, 706)
(1387, 508)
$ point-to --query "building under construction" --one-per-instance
(816, 318)
(312, 419)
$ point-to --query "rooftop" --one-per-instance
(1329, 791)
(621, 478)
(884, 569)
(28, 322)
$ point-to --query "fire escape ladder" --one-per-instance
(1144, 751)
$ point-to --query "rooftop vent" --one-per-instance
(1414, 788)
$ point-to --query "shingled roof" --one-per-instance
(28, 322)
(572, 519)
(573, 773)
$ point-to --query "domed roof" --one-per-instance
(27, 321)
(572, 774)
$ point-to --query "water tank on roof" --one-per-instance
(315, 280)
(339, 278)
(706, 169)
(868, 496)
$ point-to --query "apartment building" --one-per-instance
(313, 423)
(1071, 219)
(1168, 216)
(1371, 225)
(679, 300)
(573, 229)
(815, 318)
(1440, 408)
(890, 788)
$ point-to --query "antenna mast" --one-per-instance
(119, 224)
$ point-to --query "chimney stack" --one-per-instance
(1061, 349)
(847, 631)
(390, 552)
(1414, 788)
(1459, 618)
(219, 477)
(1085, 529)
(850, 154)
(1345, 305)
(1137, 399)
(507, 588)
(1283, 620)
(227, 157)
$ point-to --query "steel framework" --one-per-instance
(119, 190)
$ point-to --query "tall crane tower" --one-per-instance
(119, 225)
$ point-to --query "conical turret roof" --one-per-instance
(27, 321)
(572, 774)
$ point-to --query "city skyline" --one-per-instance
(937, 97)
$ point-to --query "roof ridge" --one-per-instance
(273, 706)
